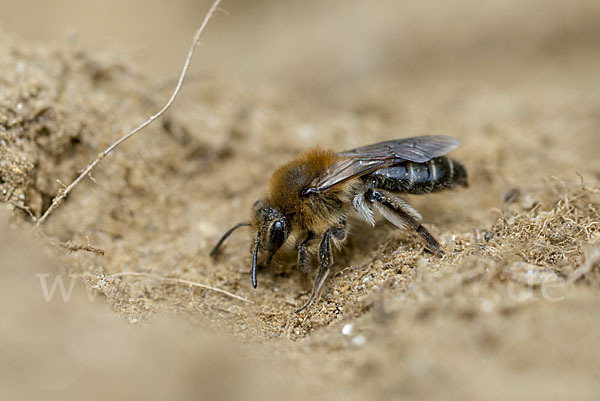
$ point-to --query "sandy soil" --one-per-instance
(510, 312)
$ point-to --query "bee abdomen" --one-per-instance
(419, 178)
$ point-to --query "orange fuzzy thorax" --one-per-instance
(290, 179)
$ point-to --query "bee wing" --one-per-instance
(364, 160)
(418, 149)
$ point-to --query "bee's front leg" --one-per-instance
(325, 260)
(303, 262)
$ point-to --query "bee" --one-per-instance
(310, 200)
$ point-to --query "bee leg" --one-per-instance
(398, 212)
(325, 261)
(303, 262)
(432, 244)
(339, 232)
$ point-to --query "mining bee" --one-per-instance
(311, 199)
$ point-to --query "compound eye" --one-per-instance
(277, 234)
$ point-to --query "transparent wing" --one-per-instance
(366, 159)
(418, 149)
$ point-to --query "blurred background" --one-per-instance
(321, 42)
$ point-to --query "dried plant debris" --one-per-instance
(553, 233)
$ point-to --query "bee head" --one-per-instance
(273, 229)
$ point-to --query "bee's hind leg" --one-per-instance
(398, 212)
(325, 260)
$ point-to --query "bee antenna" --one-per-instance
(254, 258)
(215, 250)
